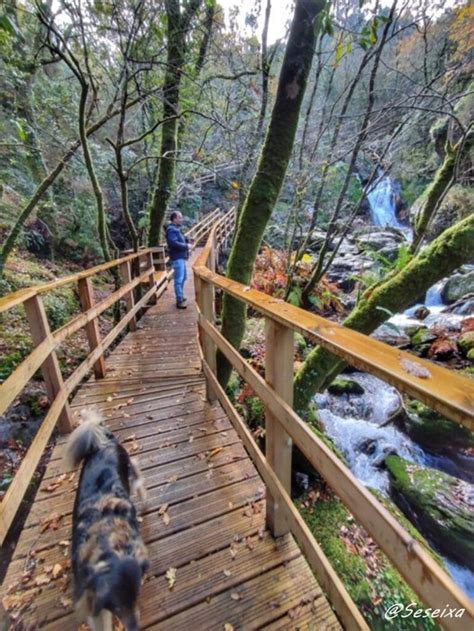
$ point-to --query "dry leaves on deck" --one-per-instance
(171, 577)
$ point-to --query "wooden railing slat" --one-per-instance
(86, 298)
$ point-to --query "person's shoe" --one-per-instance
(181, 304)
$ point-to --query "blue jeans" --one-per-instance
(180, 275)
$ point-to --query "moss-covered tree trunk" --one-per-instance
(449, 251)
(178, 26)
(434, 194)
(265, 187)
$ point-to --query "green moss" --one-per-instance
(466, 342)
(433, 431)
(345, 386)
(373, 592)
(440, 504)
(60, 306)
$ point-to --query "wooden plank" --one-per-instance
(418, 568)
(203, 580)
(279, 353)
(327, 577)
(447, 392)
(86, 298)
(39, 328)
(254, 603)
(185, 514)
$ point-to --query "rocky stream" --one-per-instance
(395, 445)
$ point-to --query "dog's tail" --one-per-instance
(85, 439)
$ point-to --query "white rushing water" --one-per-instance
(355, 424)
(382, 200)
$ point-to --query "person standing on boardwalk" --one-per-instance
(178, 248)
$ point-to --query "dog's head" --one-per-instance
(116, 586)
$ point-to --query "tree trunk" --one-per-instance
(178, 26)
(271, 170)
(445, 254)
(436, 191)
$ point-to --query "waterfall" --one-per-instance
(433, 295)
(382, 201)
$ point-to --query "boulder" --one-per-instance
(466, 342)
(385, 242)
(439, 504)
(435, 432)
(458, 286)
(345, 386)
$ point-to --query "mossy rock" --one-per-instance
(372, 592)
(345, 386)
(470, 355)
(440, 504)
(434, 431)
(466, 342)
(422, 336)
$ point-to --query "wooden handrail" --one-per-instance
(446, 391)
(44, 356)
(424, 575)
(18, 297)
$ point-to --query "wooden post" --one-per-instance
(208, 346)
(151, 277)
(279, 354)
(126, 275)
(86, 298)
(39, 327)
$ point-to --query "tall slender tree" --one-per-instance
(265, 187)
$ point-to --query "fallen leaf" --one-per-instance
(163, 509)
(214, 452)
(227, 573)
(171, 577)
(235, 596)
(228, 627)
(57, 570)
(65, 602)
(42, 579)
(51, 523)
(415, 369)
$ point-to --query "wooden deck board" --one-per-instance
(228, 568)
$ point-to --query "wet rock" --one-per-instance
(421, 340)
(385, 242)
(345, 386)
(457, 287)
(435, 432)
(441, 506)
(421, 313)
(464, 307)
(466, 342)
(392, 335)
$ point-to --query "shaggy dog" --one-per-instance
(109, 557)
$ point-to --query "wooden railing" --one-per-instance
(133, 269)
(445, 391)
(207, 178)
(46, 342)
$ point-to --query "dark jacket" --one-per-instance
(177, 244)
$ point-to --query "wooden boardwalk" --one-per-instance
(205, 512)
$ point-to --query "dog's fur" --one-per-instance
(109, 557)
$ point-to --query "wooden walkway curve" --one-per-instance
(205, 512)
